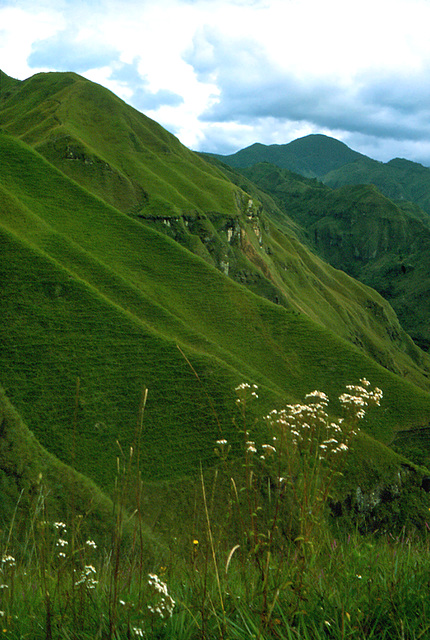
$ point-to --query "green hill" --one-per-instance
(336, 165)
(400, 179)
(312, 156)
(127, 261)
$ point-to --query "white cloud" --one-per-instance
(228, 73)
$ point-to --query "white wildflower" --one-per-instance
(61, 542)
(87, 577)
(91, 543)
(8, 560)
(268, 449)
(250, 447)
(165, 603)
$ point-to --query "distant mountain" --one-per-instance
(128, 261)
(400, 271)
(335, 164)
(312, 156)
(400, 180)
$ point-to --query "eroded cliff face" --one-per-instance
(248, 248)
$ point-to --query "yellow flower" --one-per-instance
(195, 542)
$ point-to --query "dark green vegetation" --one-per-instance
(129, 262)
(381, 243)
(312, 156)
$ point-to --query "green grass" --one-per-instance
(112, 149)
(331, 582)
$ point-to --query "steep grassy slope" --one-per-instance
(356, 228)
(131, 162)
(112, 149)
(36, 482)
(108, 293)
(91, 293)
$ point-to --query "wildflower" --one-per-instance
(87, 577)
(91, 543)
(60, 526)
(8, 560)
(61, 542)
(250, 447)
(268, 449)
(222, 448)
(165, 603)
(138, 632)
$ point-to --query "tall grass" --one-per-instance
(257, 560)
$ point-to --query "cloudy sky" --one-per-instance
(223, 74)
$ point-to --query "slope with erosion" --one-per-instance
(355, 228)
(91, 293)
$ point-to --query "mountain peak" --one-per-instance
(313, 155)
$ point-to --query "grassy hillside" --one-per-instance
(187, 300)
(336, 165)
(356, 228)
(112, 149)
(35, 481)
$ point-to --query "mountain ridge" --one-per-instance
(188, 291)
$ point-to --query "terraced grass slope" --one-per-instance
(110, 148)
(188, 300)
(32, 480)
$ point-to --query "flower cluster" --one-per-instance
(91, 544)
(165, 603)
(250, 447)
(222, 448)
(61, 543)
(87, 577)
(245, 390)
(309, 428)
(7, 564)
(360, 397)
(7, 561)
